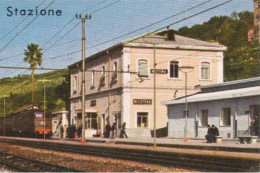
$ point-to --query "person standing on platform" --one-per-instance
(123, 133)
(113, 128)
(107, 132)
(256, 125)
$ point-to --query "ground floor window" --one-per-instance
(142, 119)
(225, 117)
(91, 121)
(203, 117)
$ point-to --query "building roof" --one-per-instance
(161, 40)
(178, 41)
(26, 107)
(220, 95)
(235, 82)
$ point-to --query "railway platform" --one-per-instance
(199, 144)
(228, 155)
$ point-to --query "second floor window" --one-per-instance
(75, 83)
(143, 68)
(93, 78)
(205, 70)
(114, 76)
(174, 69)
(103, 70)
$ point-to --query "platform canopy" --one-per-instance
(218, 95)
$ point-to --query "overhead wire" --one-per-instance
(45, 50)
(68, 24)
(158, 29)
(20, 22)
(109, 40)
(17, 34)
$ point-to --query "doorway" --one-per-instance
(254, 117)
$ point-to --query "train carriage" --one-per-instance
(26, 123)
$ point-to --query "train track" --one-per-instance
(188, 161)
(22, 164)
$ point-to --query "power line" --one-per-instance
(28, 68)
(17, 34)
(20, 22)
(68, 24)
(79, 23)
(109, 40)
(71, 41)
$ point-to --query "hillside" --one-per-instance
(242, 58)
(18, 90)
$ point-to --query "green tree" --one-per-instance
(242, 58)
(33, 56)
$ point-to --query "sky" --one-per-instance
(60, 35)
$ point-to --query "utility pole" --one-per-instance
(44, 105)
(83, 19)
(186, 70)
(4, 116)
(154, 95)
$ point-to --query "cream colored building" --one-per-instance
(59, 119)
(120, 80)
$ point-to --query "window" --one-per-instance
(225, 117)
(102, 79)
(203, 118)
(142, 119)
(93, 103)
(143, 68)
(114, 76)
(174, 69)
(91, 121)
(205, 70)
(75, 83)
(93, 78)
(103, 70)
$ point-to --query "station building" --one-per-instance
(233, 107)
(121, 80)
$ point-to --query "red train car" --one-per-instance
(26, 123)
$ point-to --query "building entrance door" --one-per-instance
(254, 116)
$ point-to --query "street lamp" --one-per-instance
(44, 104)
(186, 70)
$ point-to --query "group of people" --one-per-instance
(212, 133)
(112, 129)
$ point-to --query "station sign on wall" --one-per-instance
(142, 101)
(159, 71)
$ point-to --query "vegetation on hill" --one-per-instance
(18, 91)
(242, 58)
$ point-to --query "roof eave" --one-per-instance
(149, 45)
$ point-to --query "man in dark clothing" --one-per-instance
(209, 135)
(215, 132)
(256, 125)
(123, 133)
(113, 128)
(107, 132)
